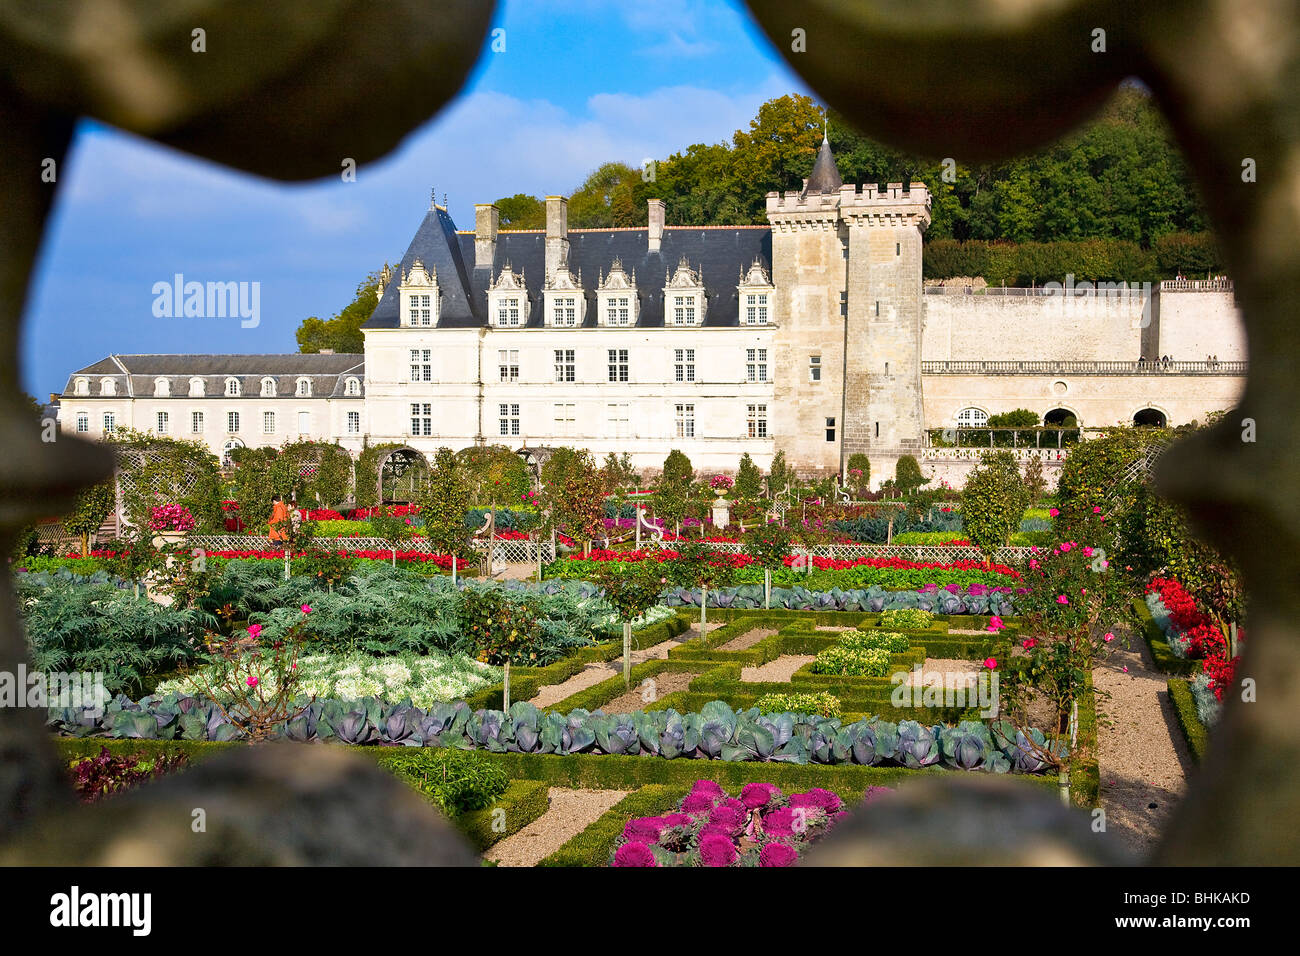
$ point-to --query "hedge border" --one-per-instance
(591, 847)
(1183, 700)
(1166, 661)
(523, 802)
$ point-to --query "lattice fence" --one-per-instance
(514, 551)
(163, 487)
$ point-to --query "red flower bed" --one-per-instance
(820, 564)
(441, 560)
(1205, 640)
(396, 511)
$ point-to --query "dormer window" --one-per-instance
(756, 295)
(161, 388)
(566, 303)
(81, 386)
(352, 387)
(418, 293)
(197, 388)
(616, 296)
(268, 388)
(508, 300)
(684, 298)
(303, 389)
(107, 386)
(232, 388)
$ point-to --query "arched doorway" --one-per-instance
(226, 449)
(1150, 417)
(1061, 418)
(403, 474)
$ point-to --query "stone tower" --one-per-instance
(846, 263)
(882, 375)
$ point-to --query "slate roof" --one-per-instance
(825, 176)
(724, 253)
(328, 372)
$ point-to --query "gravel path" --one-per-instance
(571, 812)
(778, 671)
(747, 640)
(593, 674)
(634, 700)
(1143, 756)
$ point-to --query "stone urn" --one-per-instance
(721, 512)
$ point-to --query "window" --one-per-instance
(162, 423)
(419, 310)
(509, 419)
(683, 365)
(232, 422)
(354, 423)
(564, 419)
(110, 423)
(814, 368)
(83, 422)
(565, 368)
(421, 367)
(972, 418)
(162, 387)
(268, 388)
(232, 387)
(304, 423)
(508, 311)
(304, 388)
(618, 365)
(421, 418)
(830, 429)
(508, 363)
(619, 311)
(685, 421)
(756, 308)
(683, 310)
(756, 365)
(353, 387)
(756, 417)
(268, 423)
(107, 386)
(82, 387)
(196, 423)
(197, 388)
(618, 420)
(566, 311)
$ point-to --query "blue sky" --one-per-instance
(581, 82)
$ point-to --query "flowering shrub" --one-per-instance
(760, 827)
(1193, 635)
(721, 483)
(852, 662)
(909, 619)
(319, 514)
(171, 517)
(97, 777)
(824, 704)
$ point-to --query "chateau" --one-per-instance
(813, 334)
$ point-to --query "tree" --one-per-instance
(505, 628)
(779, 475)
(444, 502)
(768, 544)
(673, 491)
(342, 333)
(574, 495)
(993, 501)
(630, 592)
(859, 475)
(495, 475)
(521, 211)
(698, 566)
(92, 507)
(1016, 418)
(907, 474)
(1035, 483)
(618, 473)
(749, 480)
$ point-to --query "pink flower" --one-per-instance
(1033, 562)
(1125, 668)
(251, 681)
(306, 609)
(995, 623)
(1096, 510)
(634, 854)
(1087, 552)
(643, 829)
(777, 854)
(717, 850)
(696, 803)
(1029, 643)
(779, 822)
(728, 818)
(1062, 599)
(1109, 637)
(990, 662)
(254, 630)
(1053, 512)
(755, 796)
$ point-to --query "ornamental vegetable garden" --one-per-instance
(738, 690)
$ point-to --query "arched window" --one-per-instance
(196, 387)
(232, 387)
(1151, 417)
(107, 386)
(972, 417)
(304, 387)
(353, 387)
(161, 387)
(268, 388)
(82, 386)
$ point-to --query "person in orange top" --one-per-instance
(279, 519)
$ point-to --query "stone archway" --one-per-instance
(1150, 417)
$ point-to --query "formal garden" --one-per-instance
(583, 665)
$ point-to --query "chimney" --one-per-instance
(486, 219)
(54, 398)
(557, 233)
(656, 223)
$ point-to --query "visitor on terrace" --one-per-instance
(279, 516)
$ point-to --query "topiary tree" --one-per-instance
(749, 480)
(618, 473)
(994, 501)
(673, 491)
(443, 504)
(768, 544)
(505, 628)
(1090, 475)
(92, 508)
(630, 592)
(907, 474)
(697, 566)
(779, 475)
(858, 477)
(573, 494)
